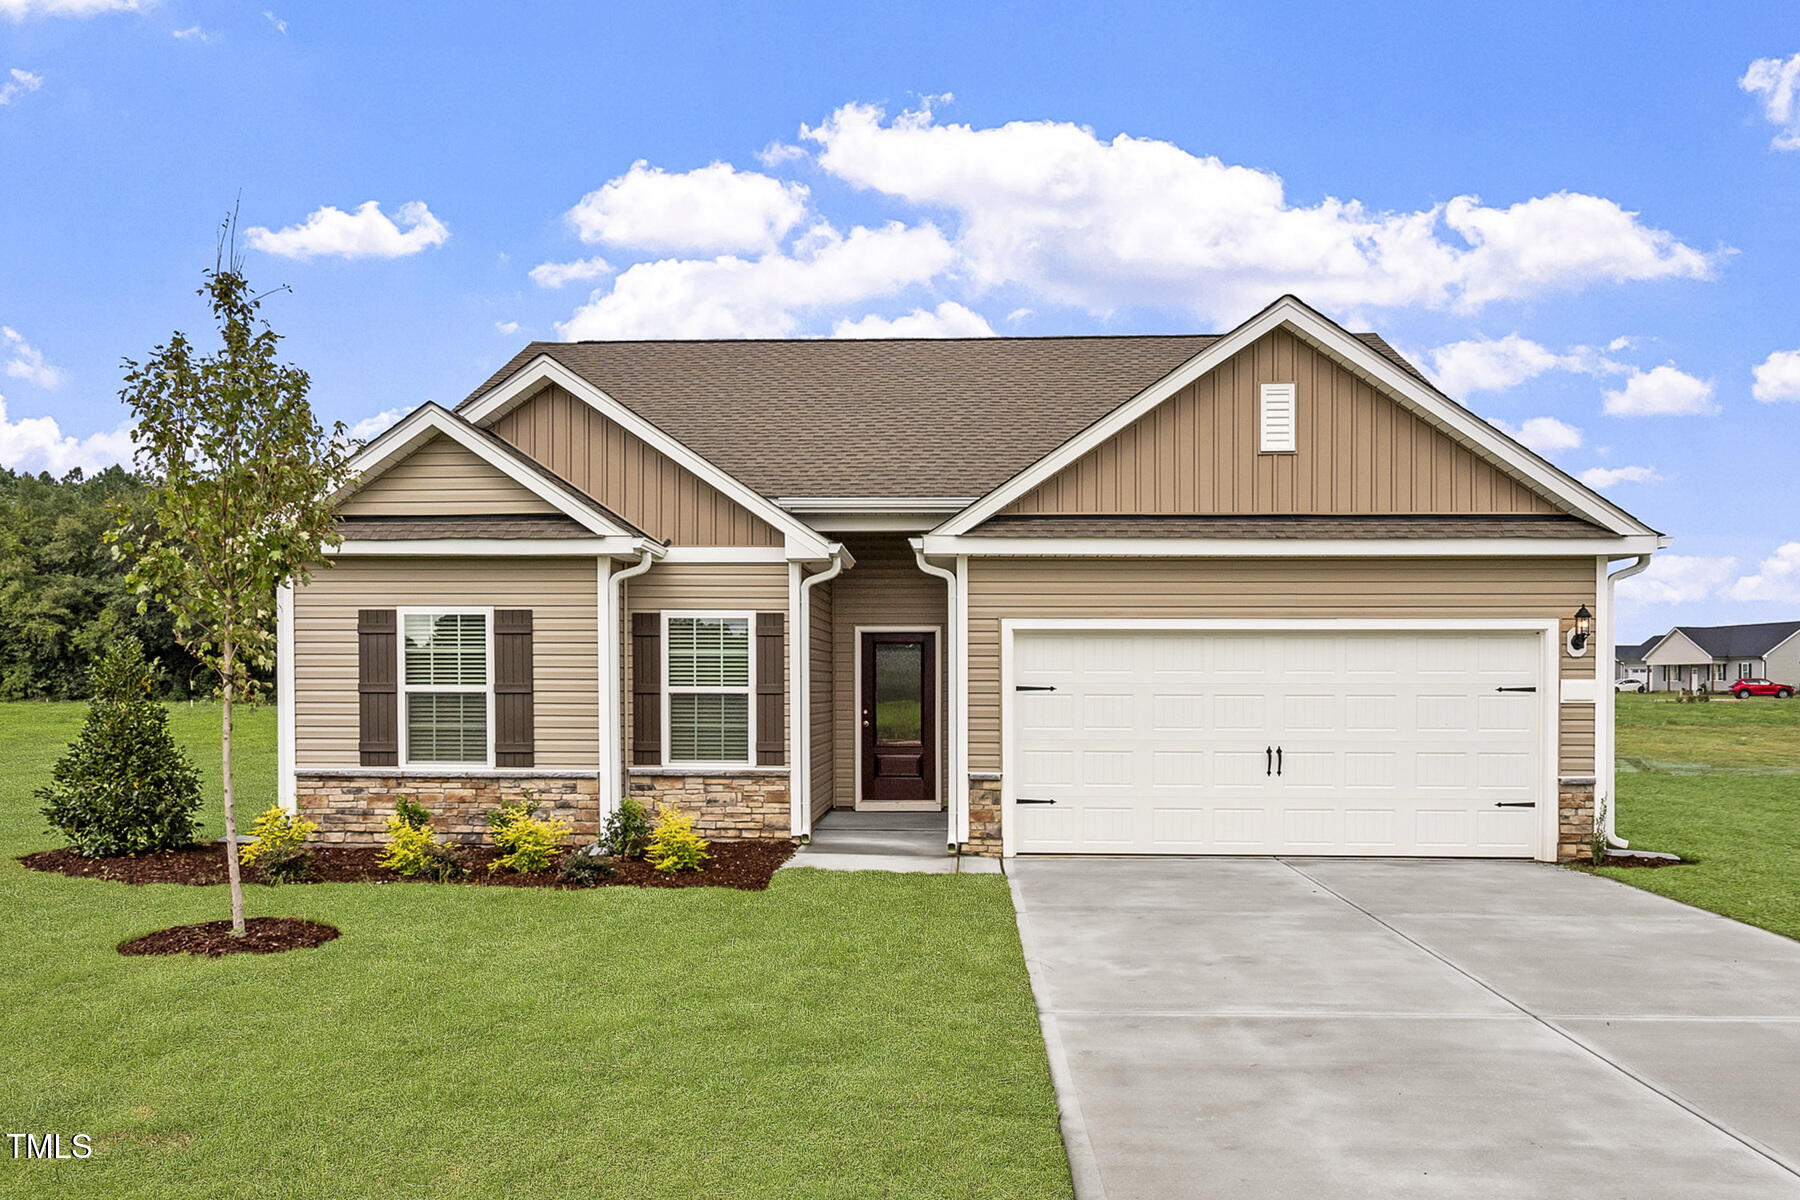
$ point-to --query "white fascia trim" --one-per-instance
(287, 789)
(428, 420)
(605, 547)
(875, 504)
(996, 547)
(1549, 636)
(725, 554)
(1328, 336)
(803, 543)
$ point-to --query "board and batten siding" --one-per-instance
(1357, 451)
(822, 657)
(618, 469)
(885, 587)
(749, 587)
(440, 479)
(1265, 589)
(562, 595)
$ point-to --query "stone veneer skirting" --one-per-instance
(728, 807)
(353, 809)
(984, 816)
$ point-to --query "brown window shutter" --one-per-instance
(515, 741)
(771, 687)
(377, 687)
(646, 689)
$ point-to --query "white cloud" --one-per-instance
(1495, 364)
(947, 320)
(38, 444)
(555, 274)
(18, 83)
(1677, 579)
(368, 427)
(1605, 477)
(1777, 578)
(280, 25)
(1777, 377)
(1134, 221)
(1777, 82)
(776, 153)
(737, 297)
(1545, 435)
(193, 33)
(1661, 392)
(507, 327)
(713, 210)
(365, 233)
(25, 361)
(18, 10)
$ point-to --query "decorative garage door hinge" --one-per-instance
(1515, 804)
(1517, 689)
(1026, 800)
(1033, 687)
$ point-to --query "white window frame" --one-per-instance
(748, 616)
(1287, 392)
(406, 690)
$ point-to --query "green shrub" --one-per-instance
(627, 832)
(413, 849)
(278, 845)
(124, 787)
(674, 846)
(526, 842)
(587, 866)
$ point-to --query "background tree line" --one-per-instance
(63, 594)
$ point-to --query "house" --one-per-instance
(1261, 592)
(1713, 657)
(1628, 661)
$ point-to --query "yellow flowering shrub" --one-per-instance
(526, 842)
(278, 845)
(674, 846)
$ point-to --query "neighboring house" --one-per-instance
(1713, 657)
(1263, 592)
(1628, 661)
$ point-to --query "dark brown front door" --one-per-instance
(899, 717)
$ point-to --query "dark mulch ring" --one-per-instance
(746, 866)
(1627, 858)
(262, 935)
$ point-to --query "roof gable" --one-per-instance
(1739, 641)
(1358, 451)
(1676, 647)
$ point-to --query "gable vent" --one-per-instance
(1277, 418)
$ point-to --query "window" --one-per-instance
(707, 688)
(1744, 670)
(1722, 675)
(1277, 418)
(446, 686)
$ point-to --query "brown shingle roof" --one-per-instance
(1226, 526)
(884, 417)
(404, 529)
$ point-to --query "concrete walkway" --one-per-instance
(847, 840)
(1334, 1028)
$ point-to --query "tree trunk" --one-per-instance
(231, 841)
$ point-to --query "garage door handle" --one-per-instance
(1025, 800)
(1515, 804)
(1033, 687)
(1268, 760)
(1520, 689)
(1278, 760)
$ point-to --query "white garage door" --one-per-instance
(1276, 743)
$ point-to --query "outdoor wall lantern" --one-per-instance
(1583, 630)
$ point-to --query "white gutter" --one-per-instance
(800, 770)
(612, 674)
(1609, 771)
(958, 784)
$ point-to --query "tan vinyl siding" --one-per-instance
(619, 470)
(1261, 589)
(737, 587)
(441, 479)
(820, 647)
(562, 595)
(1358, 452)
(887, 588)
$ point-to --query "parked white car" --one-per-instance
(1630, 685)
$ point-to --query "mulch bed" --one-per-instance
(746, 866)
(262, 935)
(1640, 860)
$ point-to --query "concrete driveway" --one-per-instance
(1326, 1028)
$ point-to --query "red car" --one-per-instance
(1743, 689)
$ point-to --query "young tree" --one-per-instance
(241, 476)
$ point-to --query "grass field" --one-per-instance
(1724, 794)
(840, 1035)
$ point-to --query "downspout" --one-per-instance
(612, 744)
(800, 774)
(1611, 765)
(958, 782)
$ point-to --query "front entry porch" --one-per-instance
(871, 840)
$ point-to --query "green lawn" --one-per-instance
(1726, 796)
(838, 1035)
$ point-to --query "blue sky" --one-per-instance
(1584, 222)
